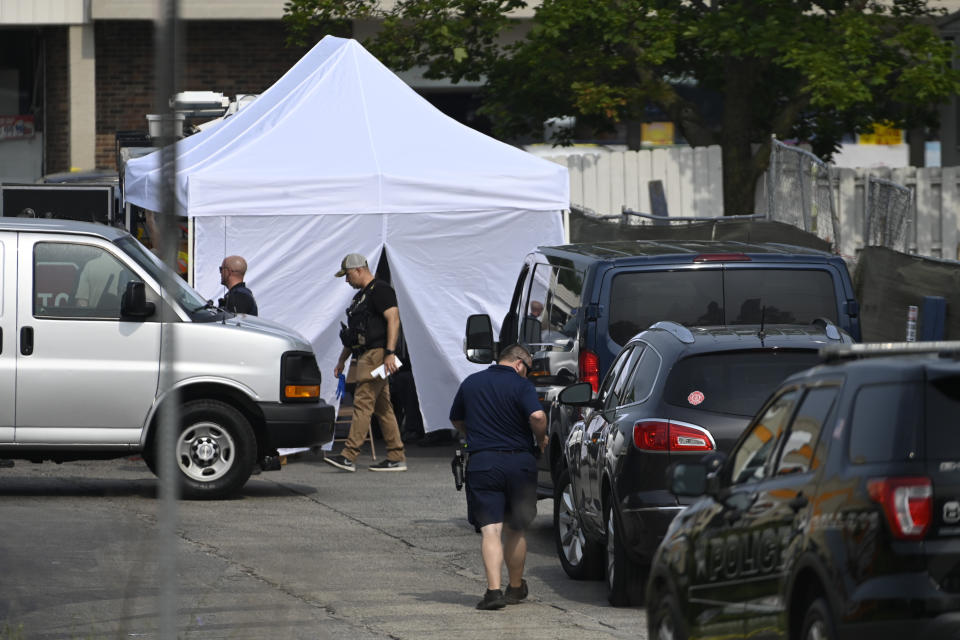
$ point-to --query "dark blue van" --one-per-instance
(576, 305)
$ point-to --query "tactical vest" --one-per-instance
(363, 327)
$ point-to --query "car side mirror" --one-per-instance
(134, 303)
(478, 342)
(702, 477)
(577, 395)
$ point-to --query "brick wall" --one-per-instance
(226, 57)
(56, 125)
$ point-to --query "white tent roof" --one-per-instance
(283, 180)
(340, 133)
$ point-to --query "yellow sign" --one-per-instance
(657, 133)
(882, 134)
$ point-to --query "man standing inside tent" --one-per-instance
(371, 333)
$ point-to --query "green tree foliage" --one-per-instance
(727, 72)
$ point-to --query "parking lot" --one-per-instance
(307, 552)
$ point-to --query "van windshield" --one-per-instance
(712, 297)
(175, 286)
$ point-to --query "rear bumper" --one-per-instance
(643, 530)
(297, 425)
(903, 605)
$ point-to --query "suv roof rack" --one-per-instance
(835, 353)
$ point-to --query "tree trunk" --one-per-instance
(739, 172)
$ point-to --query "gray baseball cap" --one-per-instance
(352, 261)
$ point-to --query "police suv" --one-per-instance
(836, 515)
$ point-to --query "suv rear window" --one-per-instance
(733, 382)
(883, 428)
(943, 407)
(704, 297)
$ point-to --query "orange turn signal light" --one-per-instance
(302, 391)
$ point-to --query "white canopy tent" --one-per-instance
(341, 156)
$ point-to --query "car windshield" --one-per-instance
(175, 286)
(733, 382)
(713, 297)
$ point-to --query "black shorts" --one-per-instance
(501, 487)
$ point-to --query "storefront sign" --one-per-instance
(657, 133)
(16, 127)
(882, 134)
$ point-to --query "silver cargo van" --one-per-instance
(85, 314)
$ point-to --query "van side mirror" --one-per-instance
(478, 343)
(134, 303)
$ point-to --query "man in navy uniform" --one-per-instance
(498, 411)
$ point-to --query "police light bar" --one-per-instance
(945, 348)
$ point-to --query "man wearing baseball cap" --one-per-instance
(371, 334)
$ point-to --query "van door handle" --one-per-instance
(26, 341)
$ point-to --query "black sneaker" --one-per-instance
(389, 465)
(515, 595)
(341, 463)
(492, 599)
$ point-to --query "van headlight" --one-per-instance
(299, 377)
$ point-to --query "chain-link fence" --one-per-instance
(800, 192)
(888, 213)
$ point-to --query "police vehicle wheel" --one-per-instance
(580, 558)
(623, 576)
(215, 451)
(818, 622)
(666, 622)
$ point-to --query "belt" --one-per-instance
(507, 451)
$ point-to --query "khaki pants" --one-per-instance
(372, 397)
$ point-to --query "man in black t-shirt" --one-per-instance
(239, 298)
(371, 334)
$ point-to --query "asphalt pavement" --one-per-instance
(305, 552)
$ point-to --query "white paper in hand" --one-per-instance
(381, 371)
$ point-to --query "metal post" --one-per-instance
(771, 176)
(166, 69)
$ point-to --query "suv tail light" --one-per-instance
(589, 366)
(907, 503)
(666, 435)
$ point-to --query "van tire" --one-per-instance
(215, 452)
(580, 558)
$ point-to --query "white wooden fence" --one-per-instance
(605, 183)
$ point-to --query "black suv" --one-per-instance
(672, 393)
(576, 305)
(837, 514)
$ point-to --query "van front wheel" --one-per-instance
(215, 451)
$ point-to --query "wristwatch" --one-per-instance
(390, 352)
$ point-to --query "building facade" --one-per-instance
(74, 73)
